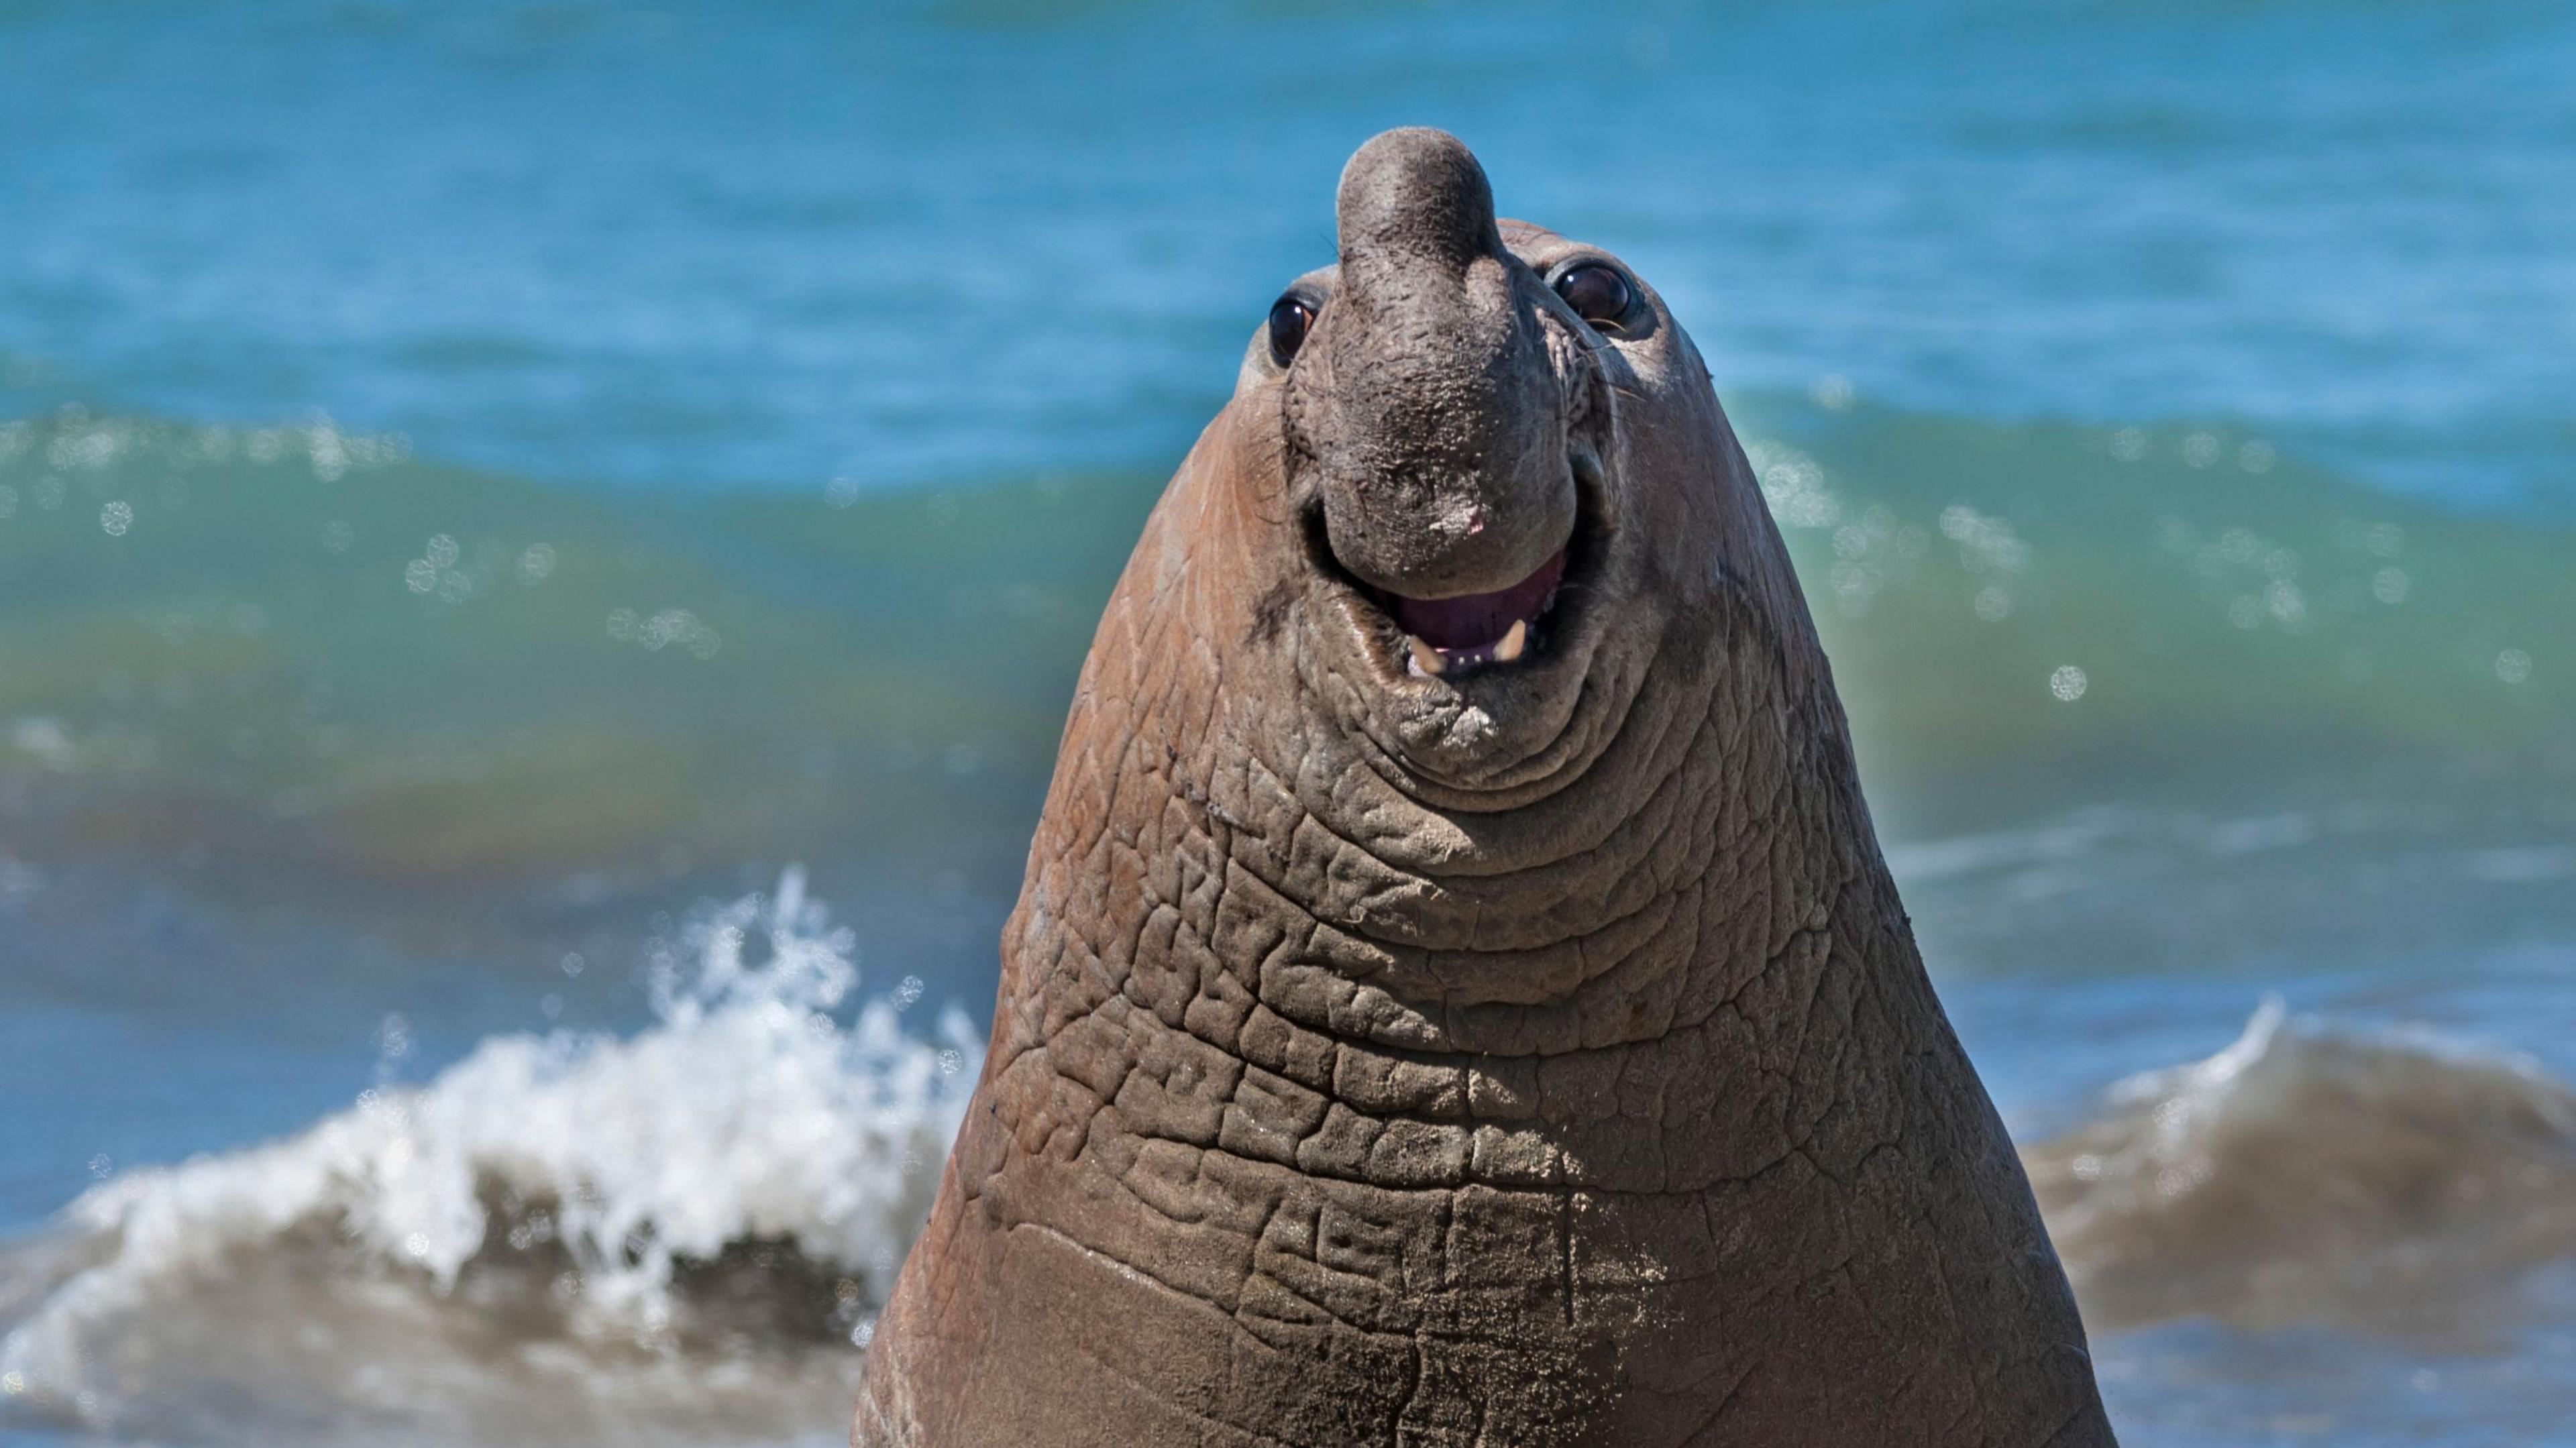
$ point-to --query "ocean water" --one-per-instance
(543, 549)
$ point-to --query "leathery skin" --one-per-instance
(1532, 1055)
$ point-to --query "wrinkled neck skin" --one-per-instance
(1545, 1060)
(1613, 873)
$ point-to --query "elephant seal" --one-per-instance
(1456, 997)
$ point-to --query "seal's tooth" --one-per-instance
(1513, 642)
(1425, 657)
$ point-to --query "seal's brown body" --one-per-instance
(1530, 1056)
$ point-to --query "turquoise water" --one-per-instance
(483, 486)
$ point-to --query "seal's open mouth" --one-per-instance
(1446, 635)
(1458, 637)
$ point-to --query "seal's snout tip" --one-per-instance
(1416, 189)
(1410, 143)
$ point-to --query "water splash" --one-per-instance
(565, 1237)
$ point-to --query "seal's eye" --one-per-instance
(1289, 319)
(1597, 293)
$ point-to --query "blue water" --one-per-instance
(707, 246)
(480, 482)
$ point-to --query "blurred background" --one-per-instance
(544, 548)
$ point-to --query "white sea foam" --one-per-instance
(643, 1217)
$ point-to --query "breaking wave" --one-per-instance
(569, 1238)
(2391, 1181)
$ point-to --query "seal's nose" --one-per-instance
(1416, 195)
(1427, 396)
